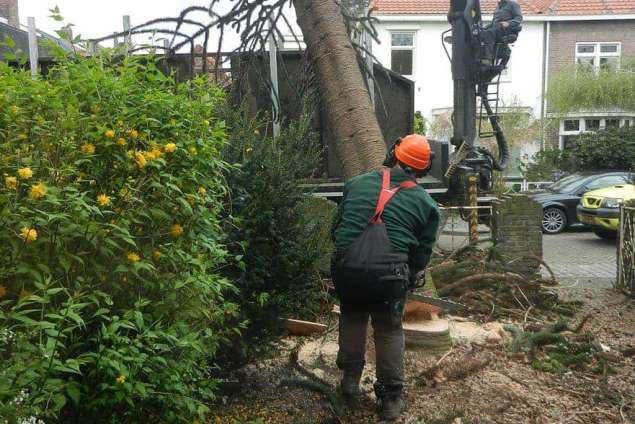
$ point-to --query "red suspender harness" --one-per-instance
(386, 194)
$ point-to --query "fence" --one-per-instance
(626, 251)
(454, 229)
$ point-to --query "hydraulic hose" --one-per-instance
(503, 147)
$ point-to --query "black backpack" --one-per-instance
(370, 271)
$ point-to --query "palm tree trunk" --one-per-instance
(350, 117)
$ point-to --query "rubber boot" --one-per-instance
(391, 407)
(350, 384)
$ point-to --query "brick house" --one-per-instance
(605, 39)
(555, 33)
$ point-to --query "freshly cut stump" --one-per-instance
(433, 335)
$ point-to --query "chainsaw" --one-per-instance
(445, 304)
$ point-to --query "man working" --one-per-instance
(507, 22)
(384, 232)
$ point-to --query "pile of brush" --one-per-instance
(490, 286)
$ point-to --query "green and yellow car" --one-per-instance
(600, 208)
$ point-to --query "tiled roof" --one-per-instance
(530, 7)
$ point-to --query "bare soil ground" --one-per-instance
(471, 384)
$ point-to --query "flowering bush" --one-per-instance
(110, 188)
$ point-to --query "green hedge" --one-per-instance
(273, 234)
(610, 149)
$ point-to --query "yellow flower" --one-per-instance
(140, 160)
(133, 133)
(109, 133)
(28, 234)
(11, 182)
(121, 379)
(192, 150)
(133, 257)
(3, 291)
(202, 191)
(121, 141)
(22, 136)
(170, 148)
(176, 230)
(157, 254)
(25, 173)
(103, 200)
(152, 154)
(37, 191)
(88, 148)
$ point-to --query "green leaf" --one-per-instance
(73, 392)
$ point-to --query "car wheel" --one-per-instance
(554, 220)
(605, 234)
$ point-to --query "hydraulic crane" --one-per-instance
(475, 78)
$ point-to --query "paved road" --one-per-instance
(577, 257)
(581, 255)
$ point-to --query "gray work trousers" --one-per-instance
(389, 345)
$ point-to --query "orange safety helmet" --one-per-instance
(414, 151)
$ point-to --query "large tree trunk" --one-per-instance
(359, 144)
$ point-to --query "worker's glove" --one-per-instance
(420, 279)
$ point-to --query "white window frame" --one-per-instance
(597, 54)
(413, 48)
(582, 125)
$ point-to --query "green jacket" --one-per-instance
(411, 216)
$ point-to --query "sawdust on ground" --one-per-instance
(491, 385)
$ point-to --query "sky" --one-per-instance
(97, 18)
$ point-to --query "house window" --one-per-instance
(597, 56)
(571, 128)
(402, 52)
(592, 124)
(572, 125)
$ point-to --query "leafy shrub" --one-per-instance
(420, 124)
(608, 149)
(578, 88)
(270, 233)
(547, 164)
(111, 184)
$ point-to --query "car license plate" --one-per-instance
(587, 219)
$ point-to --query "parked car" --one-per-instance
(600, 208)
(560, 199)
